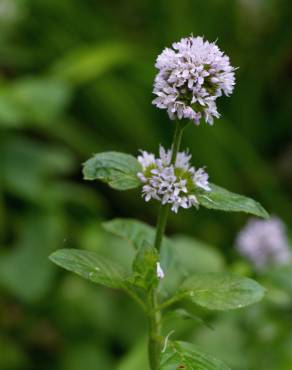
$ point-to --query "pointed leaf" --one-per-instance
(221, 291)
(118, 170)
(90, 266)
(224, 200)
(181, 355)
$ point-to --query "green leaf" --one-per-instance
(33, 101)
(181, 355)
(138, 233)
(190, 256)
(118, 170)
(135, 232)
(280, 277)
(30, 282)
(144, 267)
(224, 200)
(136, 358)
(87, 63)
(90, 266)
(194, 255)
(221, 291)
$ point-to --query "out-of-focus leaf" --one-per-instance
(131, 114)
(223, 200)
(226, 326)
(137, 358)
(190, 256)
(221, 291)
(181, 355)
(88, 63)
(12, 356)
(86, 355)
(27, 166)
(281, 277)
(118, 170)
(90, 266)
(196, 256)
(137, 233)
(94, 238)
(25, 270)
(31, 100)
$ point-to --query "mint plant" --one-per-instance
(192, 75)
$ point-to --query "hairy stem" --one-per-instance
(155, 337)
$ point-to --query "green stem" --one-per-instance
(155, 343)
(155, 338)
(179, 128)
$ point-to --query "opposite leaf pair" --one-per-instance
(120, 171)
(215, 291)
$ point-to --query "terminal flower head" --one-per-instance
(264, 242)
(176, 184)
(192, 75)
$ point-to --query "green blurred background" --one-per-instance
(76, 78)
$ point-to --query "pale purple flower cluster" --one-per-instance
(192, 75)
(264, 242)
(171, 184)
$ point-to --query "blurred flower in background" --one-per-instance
(264, 243)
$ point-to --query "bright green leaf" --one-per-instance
(224, 200)
(181, 355)
(221, 291)
(90, 266)
(118, 170)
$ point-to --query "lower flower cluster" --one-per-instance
(176, 184)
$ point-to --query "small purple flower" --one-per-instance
(192, 75)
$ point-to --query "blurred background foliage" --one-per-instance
(76, 78)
